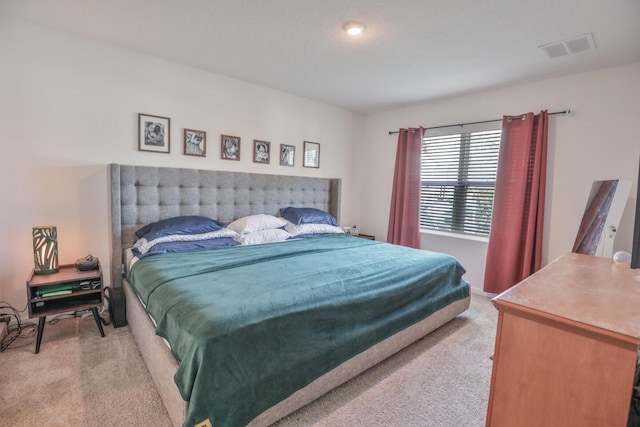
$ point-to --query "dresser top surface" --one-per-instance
(586, 289)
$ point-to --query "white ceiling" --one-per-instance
(411, 50)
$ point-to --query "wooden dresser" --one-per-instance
(566, 346)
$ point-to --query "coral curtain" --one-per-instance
(404, 227)
(515, 240)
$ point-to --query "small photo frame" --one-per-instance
(311, 157)
(229, 147)
(261, 151)
(287, 155)
(195, 142)
(154, 133)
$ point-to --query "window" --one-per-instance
(458, 178)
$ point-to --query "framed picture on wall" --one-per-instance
(195, 142)
(287, 155)
(261, 151)
(230, 147)
(311, 157)
(154, 133)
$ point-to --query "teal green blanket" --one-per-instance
(250, 325)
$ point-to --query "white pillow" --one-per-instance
(252, 223)
(264, 236)
(301, 229)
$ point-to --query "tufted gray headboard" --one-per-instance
(143, 194)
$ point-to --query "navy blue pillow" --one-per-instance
(307, 216)
(188, 224)
(163, 248)
(311, 236)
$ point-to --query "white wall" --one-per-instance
(599, 140)
(68, 108)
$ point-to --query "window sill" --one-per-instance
(455, 235)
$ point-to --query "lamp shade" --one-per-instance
(45, 250)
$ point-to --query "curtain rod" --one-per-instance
(563, 112)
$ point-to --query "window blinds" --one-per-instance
(458, 175)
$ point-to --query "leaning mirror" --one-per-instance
(601, 218)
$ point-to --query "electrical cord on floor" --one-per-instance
(18, 330)
(59, 317)
(104, 321)
(21, 329)
(105, 307)
(28, 329)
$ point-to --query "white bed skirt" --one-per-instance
(162, 365)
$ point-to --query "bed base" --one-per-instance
(162, 365)
(143, 194)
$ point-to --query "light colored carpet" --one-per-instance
(441, 380)
(81, 379)
(78, 379)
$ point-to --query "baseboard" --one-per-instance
(480, 292)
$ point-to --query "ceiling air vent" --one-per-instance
(569, 46)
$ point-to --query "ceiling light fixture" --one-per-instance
(353, 28)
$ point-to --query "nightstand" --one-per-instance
(67, 290)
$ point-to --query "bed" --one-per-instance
(326, 330)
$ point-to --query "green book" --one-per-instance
(54, 293)
(53, 290)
